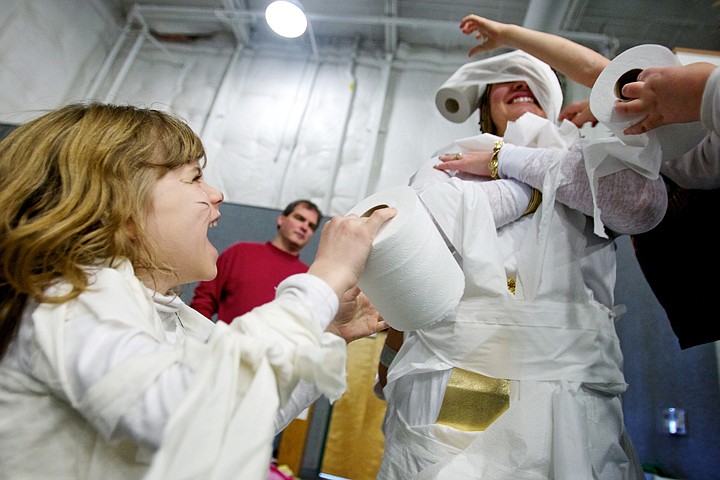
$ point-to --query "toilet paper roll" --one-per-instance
(457, 102)
(666, 142)
(410, 276)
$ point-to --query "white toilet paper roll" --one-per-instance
(669, 141)
(457, 102)
(410, 276)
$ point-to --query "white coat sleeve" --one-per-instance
(97, 345)
(700, 167)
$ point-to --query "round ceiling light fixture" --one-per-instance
(286, 18)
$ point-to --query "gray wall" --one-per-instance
(660, 375)
(242, 223)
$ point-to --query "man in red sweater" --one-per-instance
(249, 272)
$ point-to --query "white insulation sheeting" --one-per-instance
(278, 124)
(49, 50)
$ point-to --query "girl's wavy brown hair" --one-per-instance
(74, 188)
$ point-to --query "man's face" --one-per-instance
(298, 227)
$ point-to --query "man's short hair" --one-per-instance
(305, 203)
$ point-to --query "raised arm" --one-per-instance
(576, 61)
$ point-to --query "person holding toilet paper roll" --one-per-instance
(680, 94)
(672, 95)
(645, 116)
(504, 386)
(104, 372)
(664, 94)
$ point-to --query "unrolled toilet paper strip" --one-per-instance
(458, 97)
(410, 276)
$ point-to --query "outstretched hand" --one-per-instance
(578, 113)
(665, 95)
(356, 317)
(473, 162)
(488, 32)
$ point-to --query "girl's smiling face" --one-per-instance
(182, 209)
(509, 101)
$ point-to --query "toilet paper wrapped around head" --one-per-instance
(411, 276)
(458, 97)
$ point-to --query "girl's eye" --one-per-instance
(195, 179)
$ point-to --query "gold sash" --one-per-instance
(473, 401)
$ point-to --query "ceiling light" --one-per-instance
(286, 18)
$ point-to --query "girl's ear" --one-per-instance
(131, 229)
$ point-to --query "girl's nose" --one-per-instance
(215, 195)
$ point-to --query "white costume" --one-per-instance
(124, 383)
(552, 343)
(700, 167)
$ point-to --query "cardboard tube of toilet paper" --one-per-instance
(410, 276)
(457, 102)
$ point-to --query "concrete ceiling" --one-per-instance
(609, 26)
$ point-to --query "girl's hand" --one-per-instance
(345, 244)
(356, 317)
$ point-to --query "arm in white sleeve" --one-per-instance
(700, 167)
(710, 109)
(96, 347)
(304, 395)
(630, 203)
(508, 198)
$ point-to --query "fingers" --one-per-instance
(451, 161)
(583, 117)
(451, 157)
(469, 22)
(647, 123)
(381, 325)
(631, 107)
(475, 50)
(571, 111)
(635, 129)
(345, 244)
(473, 23)
(351, 294)
(578, 113)
(473, 162)
(379, 217)
(449, 165)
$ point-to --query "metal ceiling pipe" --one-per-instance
(550, 16)
(546, 15)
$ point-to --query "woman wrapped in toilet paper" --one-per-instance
(523, 379)
(676, 112)
(684, 97)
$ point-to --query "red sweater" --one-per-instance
(248, 274)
